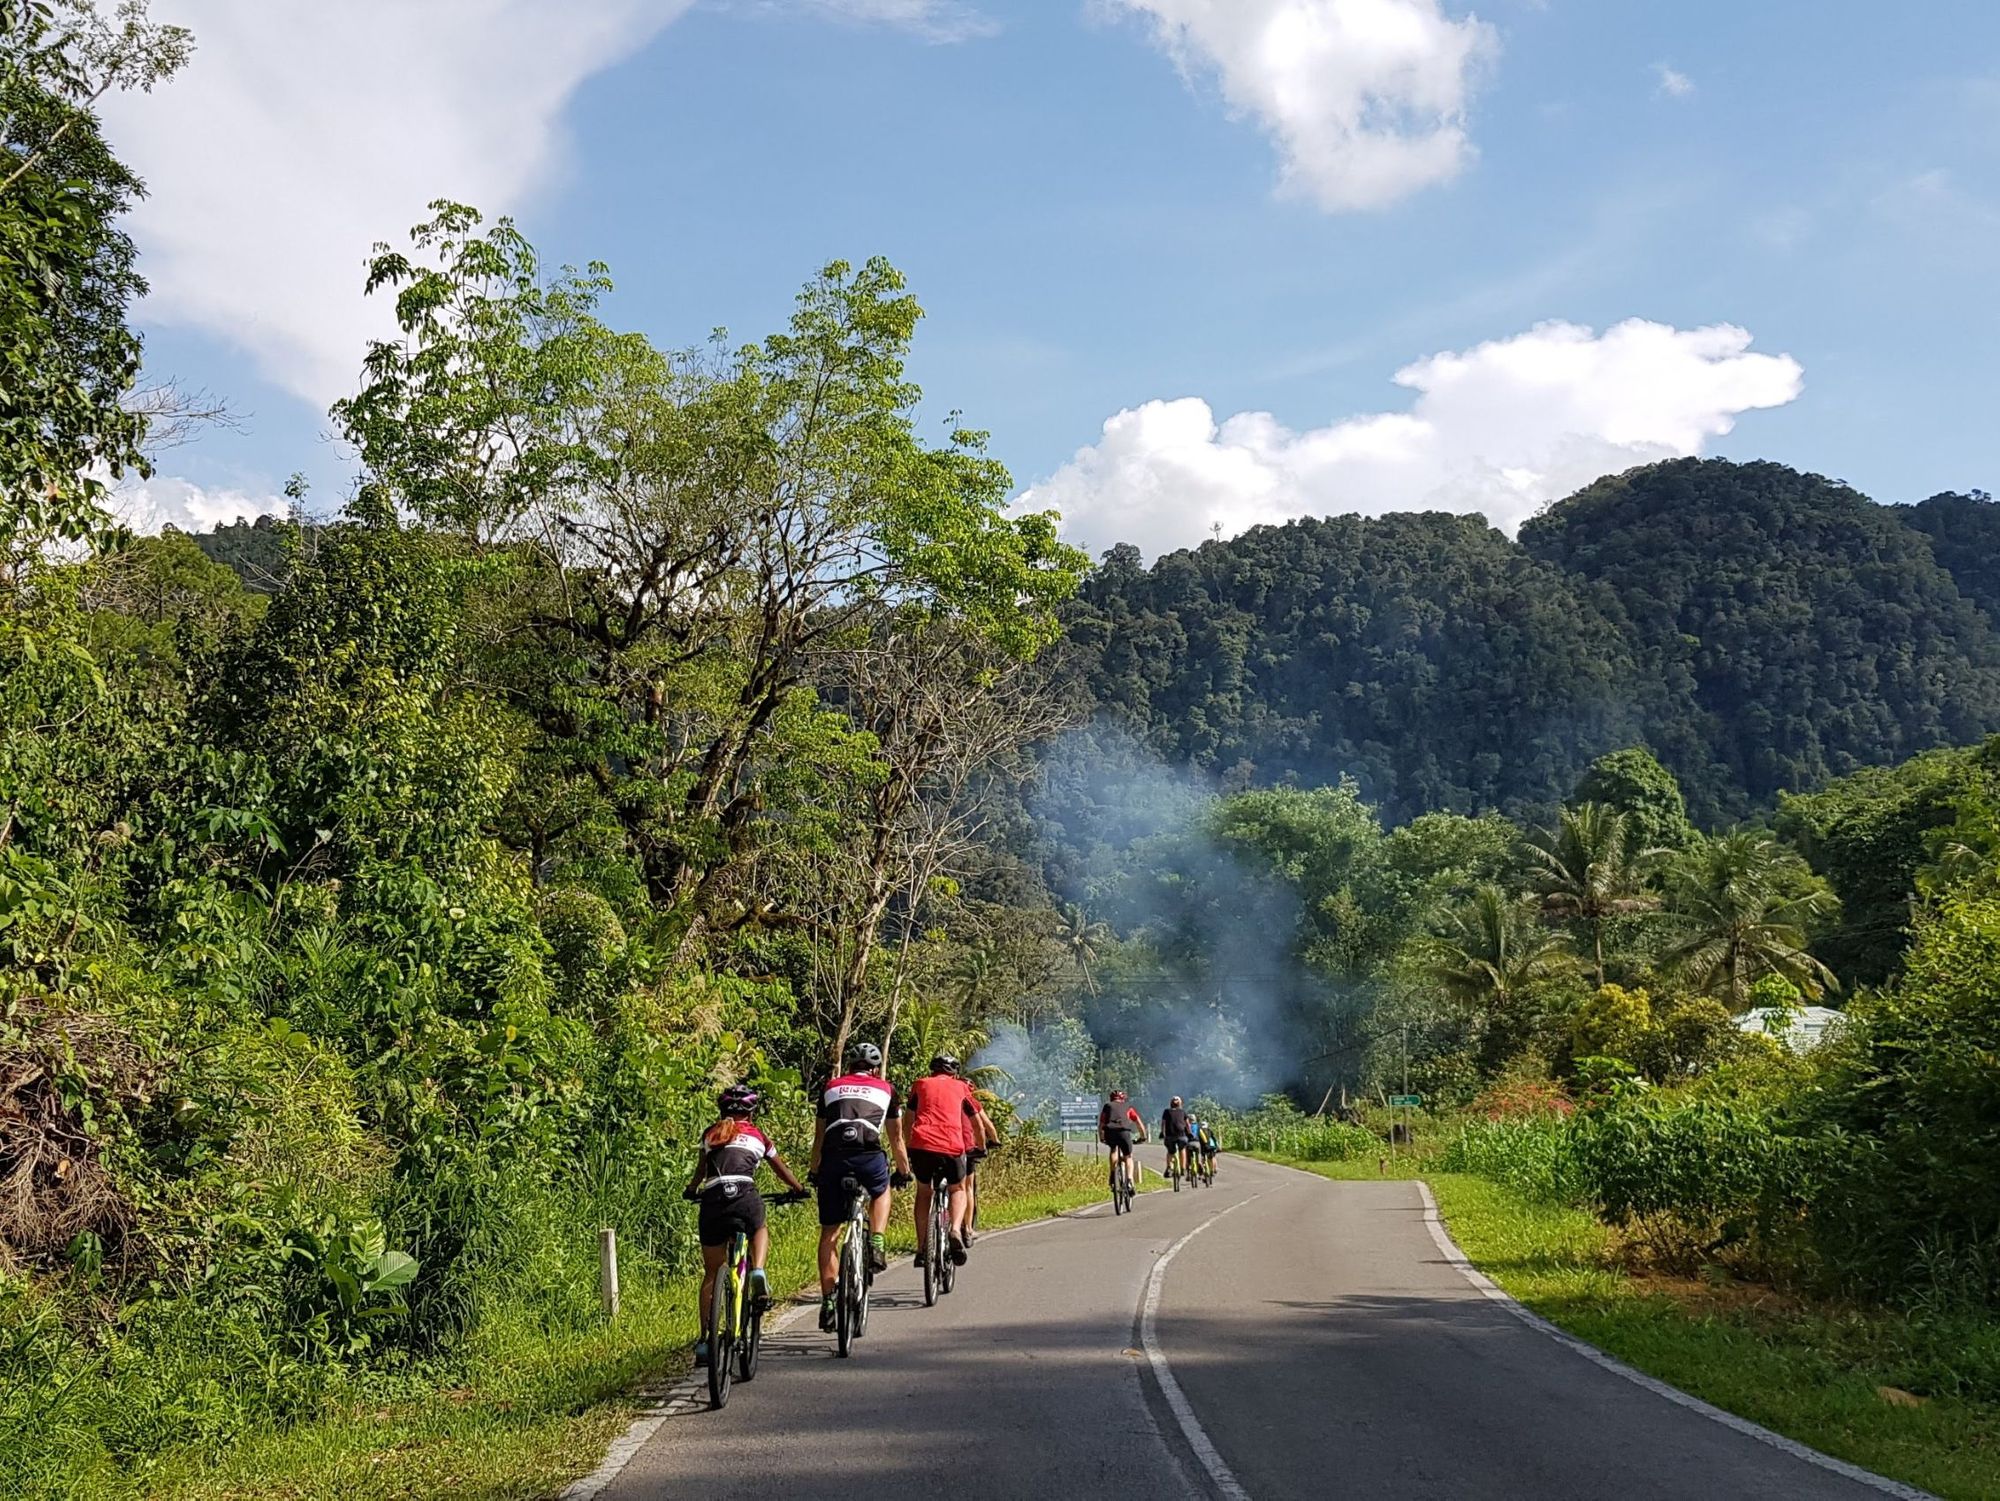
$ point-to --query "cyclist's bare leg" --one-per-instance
(878, 1214)
(923, 1216)
(829, 1261)
(760, 1247)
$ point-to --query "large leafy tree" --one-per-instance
(696, 534)
(1738, 908)
(1635, 784)
(69, 360)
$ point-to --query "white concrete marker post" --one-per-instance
(607, 1270)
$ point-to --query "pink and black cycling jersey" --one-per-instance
(735, 1161)
(854, 1110)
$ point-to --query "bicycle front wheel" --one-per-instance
(864, 1279)
(721, 1327)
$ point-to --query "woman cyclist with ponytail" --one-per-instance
(725, 1185)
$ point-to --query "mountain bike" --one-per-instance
(736, 1317)
(939, 1273)
(1174, 1167)
(855, 1276)
(1207, 1170)
(1121, 1186)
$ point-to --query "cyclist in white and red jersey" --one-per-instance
(848, 1139)
(1118, 1127)
(940, 1128)
(725, 1185)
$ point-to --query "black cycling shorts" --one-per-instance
(928, 1167)
(870, 1169)
(727, 1208)
(1122, 1140)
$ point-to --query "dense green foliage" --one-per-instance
(1965, 538)
(1758, 629)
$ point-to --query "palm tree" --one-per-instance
(1083, 939)
(931, 1027)
(971, 976)
(1738, 906)
(1492, 951)
(1587, 872)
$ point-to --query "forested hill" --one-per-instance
(1759, 628)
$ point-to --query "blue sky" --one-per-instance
(1093, 200)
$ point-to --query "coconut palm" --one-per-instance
(930, 1027)
(1737, 907)
(1587, 873)
(1083, 938)
(972, 976)
(1492, 950)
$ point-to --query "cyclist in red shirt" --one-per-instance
(940, 1126)
(1118, 1126)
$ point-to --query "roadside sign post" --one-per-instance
(1079, 1114)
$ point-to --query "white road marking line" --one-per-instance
(691, 1393)
(1183, 1411)
(1435, 1224)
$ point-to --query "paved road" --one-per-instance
(1320, 1342)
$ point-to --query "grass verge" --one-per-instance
(535, 1409)
(1832, 1377)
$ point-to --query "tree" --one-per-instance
(1083, 939)
(67, 272)
(1492, 953)
(1737, 908)
(696, 535)
(1634, 783)
(1588, 874)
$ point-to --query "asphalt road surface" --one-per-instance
(1309, 1340)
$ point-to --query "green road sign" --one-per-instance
(1400, 1101)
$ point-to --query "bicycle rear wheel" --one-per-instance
(752, 1342)
(933, 1280)
(721, 1328)
(843, 1297)
(864, 1279)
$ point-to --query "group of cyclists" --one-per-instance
(1191, 1143)
(864, 1134)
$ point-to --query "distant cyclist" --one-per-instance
(854, 1116)
(939, 1128)
(1208, 1144)
(1118, 1127)
(1176, 1133)
(725, 1185)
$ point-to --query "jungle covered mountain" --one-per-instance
(1761, 630)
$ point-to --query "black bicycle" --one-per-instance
(1121, 1185)
(855, 1276)
(939, 1273)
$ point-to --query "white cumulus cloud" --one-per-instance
(1501, 429)
(1366, 99)
(149, 505)
(305, 131)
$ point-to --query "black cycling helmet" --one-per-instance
(944, 1063)
(739, 1100)
(864, 1055)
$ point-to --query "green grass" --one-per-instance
(1811, 1371)
(536, 1409)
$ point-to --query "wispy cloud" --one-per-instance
(1366, 99)
(1673, 84)
(934, 20)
